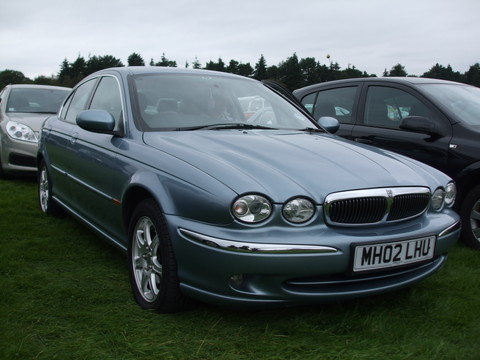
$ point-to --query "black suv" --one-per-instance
(434, 121)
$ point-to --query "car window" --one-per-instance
(107, 97)
(35, 100)
(78, 101)
(167, 102)
(337, 103)
(387, 107)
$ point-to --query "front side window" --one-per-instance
(387, 107)
(183, 102)
(337, 103)
(78, 101)
(107, 97)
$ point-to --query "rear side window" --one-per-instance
(337, 103)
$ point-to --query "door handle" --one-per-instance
(73, 138)
(363, 141)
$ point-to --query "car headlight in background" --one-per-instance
(450, 194)
(251, 208)
(298, 210)
(21, 132)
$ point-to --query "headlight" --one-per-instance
(450, 194)
(438, 198)
(21, 132)
(251, 208)
(298, 210)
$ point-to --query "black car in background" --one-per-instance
(434, 121)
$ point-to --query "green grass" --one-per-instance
(65, 294)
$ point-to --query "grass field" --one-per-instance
(65, 295)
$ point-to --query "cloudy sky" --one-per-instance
(372, 35)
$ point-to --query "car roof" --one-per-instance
(36, 86)
(398, 80)
(145, 70)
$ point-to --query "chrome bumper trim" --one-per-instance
(259, 248)
(451, 229)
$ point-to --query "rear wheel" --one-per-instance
(470, 214)
(151, 262)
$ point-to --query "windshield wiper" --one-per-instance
(313, 130)
(226, 126)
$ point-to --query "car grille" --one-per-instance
(373, 206)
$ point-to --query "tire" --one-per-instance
(45, 200)
(151, 262)
(470, 215)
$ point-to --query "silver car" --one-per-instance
(23, 109)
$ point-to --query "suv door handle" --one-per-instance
(363, 141)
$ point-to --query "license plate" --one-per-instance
(392, 254)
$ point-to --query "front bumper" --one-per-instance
(297, 264)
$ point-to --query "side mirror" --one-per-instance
(329, 123)
(421, 124)
(98, 121)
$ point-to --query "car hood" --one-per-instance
(32, 120)
(282, 164)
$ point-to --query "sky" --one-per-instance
(371, 35)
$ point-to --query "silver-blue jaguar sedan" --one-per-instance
(220, 190)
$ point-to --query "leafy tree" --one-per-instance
(216, 66)
(260, 71)
(472, 76)
(45, 80)
(245, 69)
(232, 67)
(310, 71)
(397, 70)
(291, 73)
(96, 63)
(165, 62)
(196, 64)
(441, 72)
(135, 60)
(12, 77)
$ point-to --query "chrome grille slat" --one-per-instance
(372, 206)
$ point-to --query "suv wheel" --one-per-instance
(470, 214)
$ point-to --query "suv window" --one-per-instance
(387, 107)
(337, 103)
(107, 97)
(78, 101)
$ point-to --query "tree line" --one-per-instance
(293, 72)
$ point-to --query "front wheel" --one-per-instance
(470, 214)
(45, 200)
(151, 261)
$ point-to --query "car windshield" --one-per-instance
(461, 100)
(28, 100)
(191, 102)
